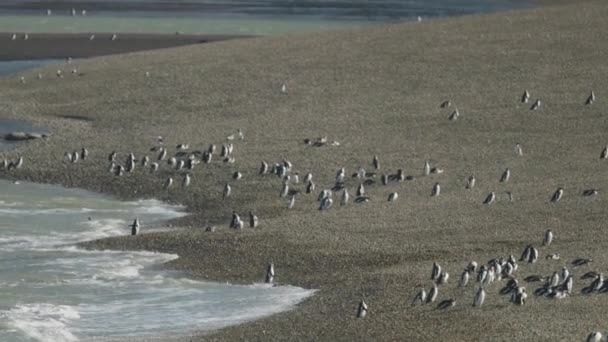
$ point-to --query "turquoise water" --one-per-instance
(66, 24)
(257, 17)
(12, 67)
(52, 291)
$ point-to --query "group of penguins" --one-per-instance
(558, 285)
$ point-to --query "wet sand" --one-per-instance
(80, 45)
(377, 91)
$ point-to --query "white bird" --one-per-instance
(92, 37)
(548, 237)
(436, 190)
(557, 195)
(505, 176)
(114, 37)
(284, 89)
(14, 37)
(480, 296)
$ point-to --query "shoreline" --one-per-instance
(79, 45)
(378, 253)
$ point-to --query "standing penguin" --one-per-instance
(376, 163)
(134, 227)
(253, 220)
(362, 309)
(480, 296)
(270, 274)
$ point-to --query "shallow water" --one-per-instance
(52, 291)
(259, 17)
(12, 67)
(8, 126)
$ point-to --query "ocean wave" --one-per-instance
(42, 321)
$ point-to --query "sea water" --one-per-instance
(252, 17)
(51, 290)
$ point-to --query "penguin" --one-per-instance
(590, 99)
(536, 105)
(345, 197)
(269, 274)
(392, 197)
(186, 181)
(420, 296)
(505, 176)
(436, 271)
(433, 293)
(253, 220)
(464, 279)
(454, 116)
(376, 163)
(168, 183)
(480, 297)
(134, 227)
(362, 309)
(436, 190)
(227, 191)
(557, 195)
(490, 198)
(548, 237)
(525, 97)
(470, 182)
(263, 168)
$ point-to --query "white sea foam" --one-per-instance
(43, 322)
(43, 271)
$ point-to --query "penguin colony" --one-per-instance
(503, 278)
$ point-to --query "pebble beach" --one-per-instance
(374, 91)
